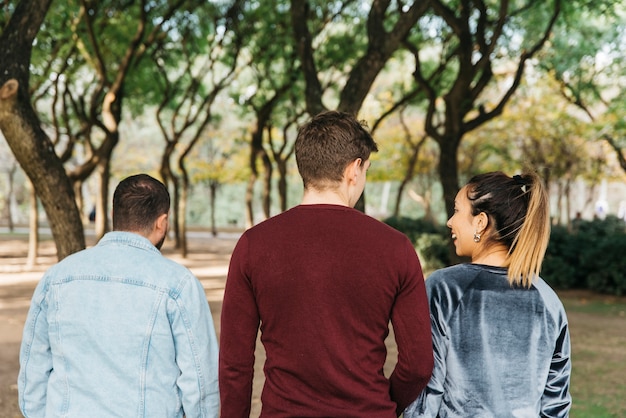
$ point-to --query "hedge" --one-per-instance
(592, 255)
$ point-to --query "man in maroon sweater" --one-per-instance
(323, 280)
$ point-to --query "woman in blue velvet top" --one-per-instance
(500, 334)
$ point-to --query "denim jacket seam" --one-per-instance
(195, 351)
(145, 351)
(130, 239)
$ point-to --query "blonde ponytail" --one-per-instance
(529, 245)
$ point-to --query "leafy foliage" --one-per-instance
(431, 242)
(591, 256)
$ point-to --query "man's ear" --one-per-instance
(161, 223)
(353, 170)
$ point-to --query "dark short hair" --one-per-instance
(327, 144)
(137, 203)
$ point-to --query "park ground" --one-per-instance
(597, 324)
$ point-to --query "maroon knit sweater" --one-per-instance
(323, 282)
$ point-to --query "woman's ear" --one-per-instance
(481, 222)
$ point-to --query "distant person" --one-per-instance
(323, 281)
(500, 333)
(118, 330)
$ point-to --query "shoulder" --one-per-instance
(550, 299)
(447, 276)
(442, 283)
(449, 285)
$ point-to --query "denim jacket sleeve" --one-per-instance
(35, 356)
(196, 351)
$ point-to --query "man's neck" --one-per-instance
(324, 197)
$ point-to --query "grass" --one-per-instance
(598, 334)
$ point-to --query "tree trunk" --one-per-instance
(250, 200)
(182, 208)
(282, 184)
(267, 185)
(33, 226)
(213, 184)
(448, 172)
(10, 199)
(80, 201)
(102, 200)
(20, 126)
(169, 178)
(35, 153)
(182, 218)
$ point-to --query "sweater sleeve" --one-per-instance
(238, 332)
(411, 325)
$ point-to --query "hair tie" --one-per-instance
(519, 180)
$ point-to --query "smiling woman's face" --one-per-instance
(463, 225)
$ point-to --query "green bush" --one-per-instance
(606, 265)
(431, 242)
(561, 266)
(592, 256)
(434, 251)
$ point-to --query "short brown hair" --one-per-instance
(137, 203)
(327, 144)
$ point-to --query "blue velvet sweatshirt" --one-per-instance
(500, 351)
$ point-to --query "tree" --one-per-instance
(359, 47)
(21, 128)
(458, 51)
(587, 59)
(365, 47)
(265, 91)
(283, 150)
(191, 80)
(538, 129)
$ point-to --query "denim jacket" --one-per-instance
(118, 330)
(500, 351)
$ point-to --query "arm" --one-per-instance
(35, 356)
(556, 400)
(238, 332)
(410, 319)
(196, 352)
(429, 401)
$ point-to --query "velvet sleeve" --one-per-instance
(429, 401)
(411, 325)
(556, 400)
(238, 332)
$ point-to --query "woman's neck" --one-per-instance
(492, 256)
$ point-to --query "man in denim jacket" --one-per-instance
(118, 329)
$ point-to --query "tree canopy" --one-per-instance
(425, 73)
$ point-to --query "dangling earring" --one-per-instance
(476, 237)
